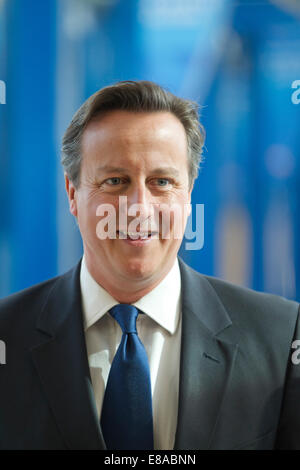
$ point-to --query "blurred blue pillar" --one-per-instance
(4, 252)
(30, 191)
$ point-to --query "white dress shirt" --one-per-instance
(160, 332)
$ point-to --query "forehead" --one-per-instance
(131, 129)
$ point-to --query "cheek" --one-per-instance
(103, 217)
(173, 221)
(87, 211)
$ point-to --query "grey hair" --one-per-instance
(134, 96)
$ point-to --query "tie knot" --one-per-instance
(126, 316)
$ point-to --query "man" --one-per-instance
(215, 359)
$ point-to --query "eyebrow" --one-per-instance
(110, 169)
(162, 170)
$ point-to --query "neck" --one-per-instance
(131, 290)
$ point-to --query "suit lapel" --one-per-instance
(206, 364)
(61, 362)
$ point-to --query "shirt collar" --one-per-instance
(162, 304)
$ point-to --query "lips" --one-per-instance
(127, 235)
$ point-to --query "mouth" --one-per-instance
(136, 236)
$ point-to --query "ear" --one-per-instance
(71, 192)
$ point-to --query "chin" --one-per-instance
(138, 269)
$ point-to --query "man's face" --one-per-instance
(142, 156)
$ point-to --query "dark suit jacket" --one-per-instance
(238, 387)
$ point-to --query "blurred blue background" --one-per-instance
(237, 59)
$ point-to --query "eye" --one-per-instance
(113, 181)
(163, 181)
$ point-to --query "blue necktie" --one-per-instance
(126, 418)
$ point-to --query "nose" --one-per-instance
(139, 201)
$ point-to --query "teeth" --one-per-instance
(135, 234)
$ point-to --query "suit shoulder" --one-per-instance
(28, 299)
(27, 294)
(241, 301)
